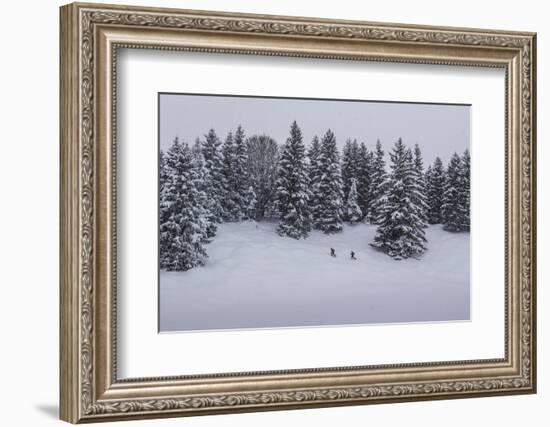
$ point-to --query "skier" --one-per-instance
(352, 254)
(332, 253)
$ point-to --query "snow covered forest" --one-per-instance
(305, 186)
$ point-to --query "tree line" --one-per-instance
(210, 182)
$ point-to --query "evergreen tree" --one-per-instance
(346, 166)
(292, 188)
(250, 204)
(162, 171)
(355, 159)
(465, 191)
(240, 171)
(263, 159)
(235, 175)
(379, 183)
(211, 150)
(330, 186)
(353, 211)
(163, 207)
(350, 164)
(163, 178)
(314, 176)
(184, 232)
(427, 178)
(421, 196)
(400, 233)
(435, 181)
(204, 187)
(364, 178)
(313, 159)
(228, 183)
(453, 209)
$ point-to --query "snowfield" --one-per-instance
(256, 279)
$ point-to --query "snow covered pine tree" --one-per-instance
(292, 188)
(314, 176)
(211, 150)
(353, 211)
(250, 204)
(400, 233)
(163, 209)
(240, 175)
(331, 206)
(228, 199)
(235, 176)
(364, 179)
(379, 183)
(454, 210)
(435, 183)
(465, 190)
(204, 186)
(162, 171)
(184, 232)
(421, 195)
(350, 163)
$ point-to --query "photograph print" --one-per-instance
(302, 212)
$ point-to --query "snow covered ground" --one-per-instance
(256, 279)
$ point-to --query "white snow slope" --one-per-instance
(257, 279)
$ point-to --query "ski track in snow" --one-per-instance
(255, 278)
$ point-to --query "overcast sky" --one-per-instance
(439, 129)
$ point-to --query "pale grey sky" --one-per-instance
(439, 129)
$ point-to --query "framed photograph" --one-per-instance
(267, 212)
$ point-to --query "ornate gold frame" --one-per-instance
(90, 35)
